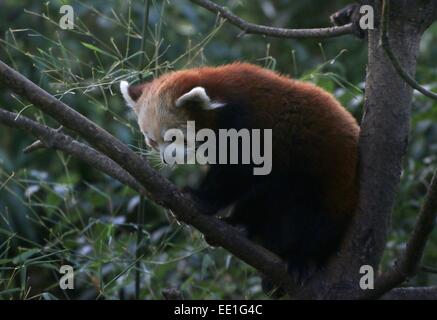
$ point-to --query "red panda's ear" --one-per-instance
(199, 98)
(131, 94)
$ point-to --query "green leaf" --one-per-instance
(23, 257)
(96, 49)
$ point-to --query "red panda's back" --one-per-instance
(310, 127)
(312, 132)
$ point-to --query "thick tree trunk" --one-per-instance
(384, 137)
(383, 142)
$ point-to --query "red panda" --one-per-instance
(299, 211)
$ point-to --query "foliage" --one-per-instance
(54, 210)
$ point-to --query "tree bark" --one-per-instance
(414, 293)
(383, 142)
(384, 136)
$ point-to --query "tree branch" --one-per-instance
(252, 28)
(428, 269)
(54, 139)
(413, 293)
(394, 60)
(409, 263)
(159, 189)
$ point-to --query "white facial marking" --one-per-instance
(124, 88)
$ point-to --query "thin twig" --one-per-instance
(139, 247)
(141, 207)
(251, 28)
(146, 14)
(394, 60)
(428, 269)
(37, 145)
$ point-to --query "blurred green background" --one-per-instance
(55, 210)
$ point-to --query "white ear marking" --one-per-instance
(216, 105)
(124, 88)
(197, 94)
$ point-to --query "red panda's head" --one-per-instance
(168, 103)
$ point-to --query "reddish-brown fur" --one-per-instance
(301, 210)
(326, 134)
